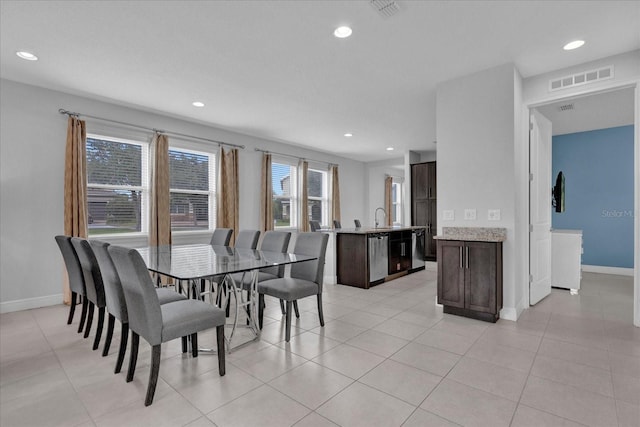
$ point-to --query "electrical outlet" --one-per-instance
(493, 215)
(448, 215)
(470, 214)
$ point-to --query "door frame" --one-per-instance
(526, 111)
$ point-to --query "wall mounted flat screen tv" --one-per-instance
(558, 194)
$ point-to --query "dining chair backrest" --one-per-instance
(313, 244)
(314, 225)
(357, 223)
(91, 271)
(72, 263)
(114, 295)
(275, 241)
(221, 236)
(143, 306)
(336, 224)
(247, 239)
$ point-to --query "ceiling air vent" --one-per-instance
(566, 107)
(386, 8)
(582, 78)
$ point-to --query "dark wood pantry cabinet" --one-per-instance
(424, 204)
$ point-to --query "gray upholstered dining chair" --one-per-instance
(116, 305)
(336, 224)
(357, 223)
(247, 239)
(305, 280)
(93, 286)
(76, 279)
(314, 225)
(161, 323)
(221, 236)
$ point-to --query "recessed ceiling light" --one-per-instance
(389, 148)
(27, 55)
(198, 104)
(342, 32)
(573, 45)
(348, 135)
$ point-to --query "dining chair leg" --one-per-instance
(124, 337)
(107, 340)
(295, 309)
(96, 341)
(194, 345)
(288, 322)
(260, 309)
(133, 357)
(83, 315)
(154, 370)
(282, 308)
(320, 314)
(184, 345)
(72, 308)
(87, 329)
(221, 352)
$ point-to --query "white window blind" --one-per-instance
(117, 183)
(192, 187)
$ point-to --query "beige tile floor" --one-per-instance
(386, 357)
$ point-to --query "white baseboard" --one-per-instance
(620, 271)
(509, 313)
(29, 303)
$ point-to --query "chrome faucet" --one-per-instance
(375, 215)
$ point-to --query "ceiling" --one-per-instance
(273, 68)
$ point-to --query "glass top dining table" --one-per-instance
(196, 262)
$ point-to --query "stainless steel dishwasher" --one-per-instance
(417, 248)
(378, 256)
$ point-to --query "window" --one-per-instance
(284, 181)
(117, 183)
(318, 195)
(396, 203)
(192, 189)
(286, 194)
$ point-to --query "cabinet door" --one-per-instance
(431, 180)
(481, 276)
(432, 226)
(395, 259)
(451, 273)
(419, 188)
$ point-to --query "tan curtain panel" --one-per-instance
(304, 197)
(388, 183)
(228, 192)
(266, 195)
(75, 187)
(335, 194)
(160, 211)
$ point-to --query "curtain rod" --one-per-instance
(295, 157)
(166, 132)
(394, 176)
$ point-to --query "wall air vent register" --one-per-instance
(582, 78)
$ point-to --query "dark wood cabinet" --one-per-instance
(470, 278)
(399, 251)
(352, 256)
(424, 204)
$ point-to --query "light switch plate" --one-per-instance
(469, 214)
(493, 215)
(448, 215)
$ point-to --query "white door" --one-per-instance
(540, 205)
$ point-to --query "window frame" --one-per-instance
(143, 188)
(294, 195)
(324, 198)
(198, 149)
(397, 205)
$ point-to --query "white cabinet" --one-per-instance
(566, 259)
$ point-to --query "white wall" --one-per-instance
(32, 144)
(475, 134)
